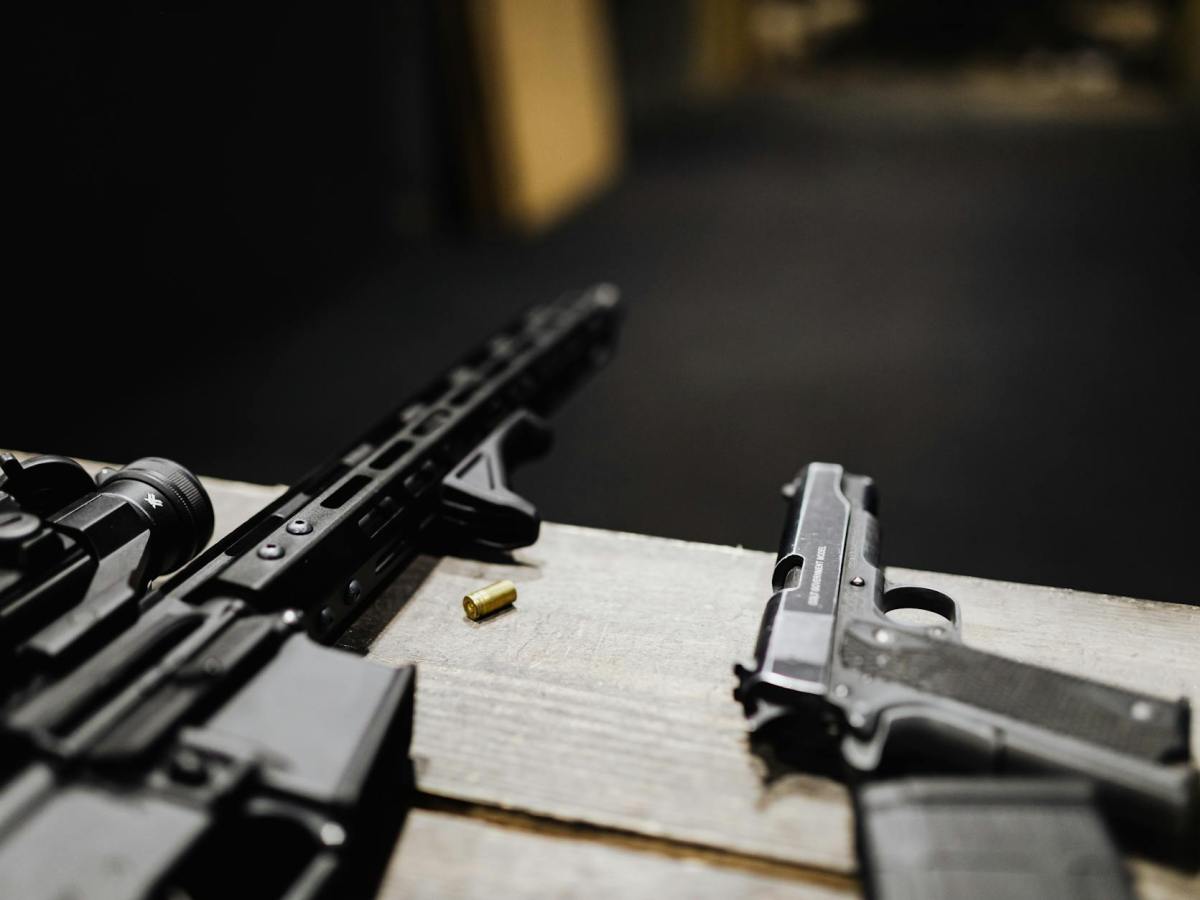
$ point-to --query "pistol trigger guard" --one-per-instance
(477, 506)
(913, 597)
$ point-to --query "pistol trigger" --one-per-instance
(477, 505)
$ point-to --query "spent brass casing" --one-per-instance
(486, 601)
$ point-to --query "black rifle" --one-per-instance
(198, 739)
(839, 685)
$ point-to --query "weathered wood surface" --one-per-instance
(592, 729)
(603, 696)
(451, 857)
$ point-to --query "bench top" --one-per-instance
(585, 741)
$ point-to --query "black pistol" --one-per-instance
(202, 740)
(837, 682)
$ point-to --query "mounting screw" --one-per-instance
(188, 768)
(857, 581)
(333, 834)
(270, 551)
(1141, 711)
(353, 591)
(299, 526)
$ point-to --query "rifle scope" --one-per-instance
(76, 555)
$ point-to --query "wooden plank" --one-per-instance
(603, 696)
(1155, 882)
(449, 856)
(602, 700)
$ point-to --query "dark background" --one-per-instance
(240, 237)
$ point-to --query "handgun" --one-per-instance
(200, 738)
(841, 686)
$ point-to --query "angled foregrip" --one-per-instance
(476, 503)
(945, 703)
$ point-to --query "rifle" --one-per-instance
(839, 685)
(200, 737)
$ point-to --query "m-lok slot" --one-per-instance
(348, 489)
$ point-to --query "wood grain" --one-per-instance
(603, 696)
(601, 703)
(450, 857)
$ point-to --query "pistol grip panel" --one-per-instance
(918, 704)
(1121, 720)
